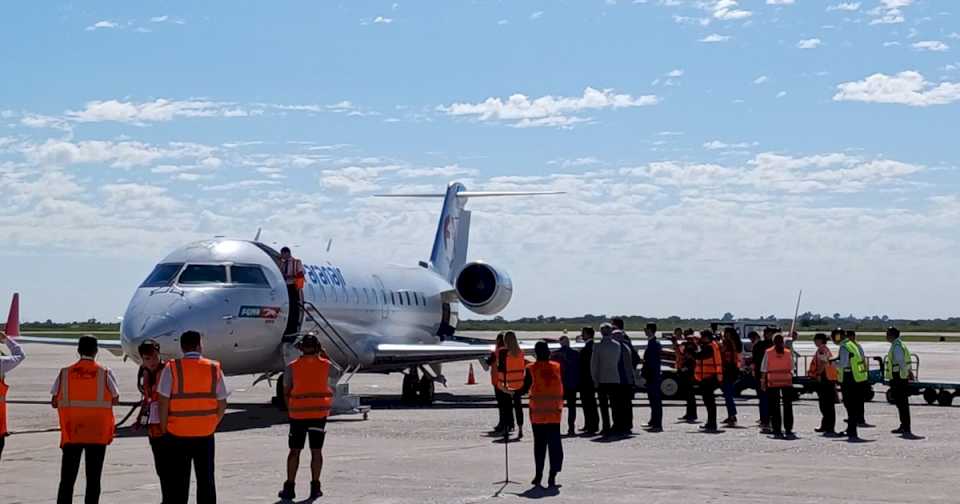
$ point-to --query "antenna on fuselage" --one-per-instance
(329, 244)
(257, 237)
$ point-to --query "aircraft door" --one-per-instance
(254, 311)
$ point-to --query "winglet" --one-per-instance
(13, 319)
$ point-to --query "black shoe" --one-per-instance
(315, 490)
(537, 481)
(766, 430)
(777, 435)
(552, 480)
(910, 435)
(855, 439)
(790, 435)
(832, 435)
(865, 425)
(655, 429)
(898, 430)
(289, 491)
(708, 428)
(820, 430)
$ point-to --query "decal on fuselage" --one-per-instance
(261, 312)
(325, 275)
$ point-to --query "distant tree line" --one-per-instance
(92, 325)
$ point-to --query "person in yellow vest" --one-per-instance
(898, 373)
(306, 385)
(511, 366)
(7, 363)
(544, 381)
(824, 376)
(193, 399)
(293, 275)
(852, 374)
(708, 373)
(777, 382)
(84, 395)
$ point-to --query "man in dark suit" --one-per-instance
(651, 375)
(588, 393)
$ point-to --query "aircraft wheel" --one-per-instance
(669, 387)
(277, 400)
(930, 395)
(408, 392)
(945, 398)
(426, 390)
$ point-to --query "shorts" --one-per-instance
(299, 430)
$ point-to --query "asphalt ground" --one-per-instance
(443, 453)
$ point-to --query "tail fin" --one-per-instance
(13, 319)
(449, 252)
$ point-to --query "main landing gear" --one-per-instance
(418, 389)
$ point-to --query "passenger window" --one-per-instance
(384, 296)
(195, 274)
(408, 297)
(162, 275)
(356, 296)
(248, 275)
(393, 300)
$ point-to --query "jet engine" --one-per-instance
(483, 288)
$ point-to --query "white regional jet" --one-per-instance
(369, 319)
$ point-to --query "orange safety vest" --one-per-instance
(546, 393)
(151, 396)
(310, 395)
(678, 357)
(496, 378)
(711, 367)
(293, 272)
(85, 405)
(818, 368)
(193, 397)
(3, 404)
(516, 367)
(779, 368)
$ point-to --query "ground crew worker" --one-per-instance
(150, 369)
(512, 366)
(651, 375)
(708, 373)
(504, 402)
(777, 373)
(193, 399)
(684, 349)
(293, 275)
(544, 382)
(588, 391)
(824, 376)
(605, 368)
(898, 372)
(83, 395)
(852, 373)
(306, 385)
(7, 363)
(758, 351)
(569, 360)
(865, 386)
(731, 351)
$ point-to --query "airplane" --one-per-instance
(369, 318)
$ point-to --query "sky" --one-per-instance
(715, 155)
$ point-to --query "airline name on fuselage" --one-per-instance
(324, 275)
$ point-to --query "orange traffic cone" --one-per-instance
(471, 379)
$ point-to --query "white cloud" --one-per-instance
(845, 6)
(811, 43)
(242, 184)
(102, 25)
(780, 2)
(159, 19)
(702, 21)
(719, 145)
(536, 15)
(547, 110)
(382, 20)
(158, 110)
(503, 22)
(714, 38)
(781, 94)
(437, 171)
(904, 88)
(125, 154)
(889, 12)
(728, 10)
(760, 80)
(891, 44)
(931, 45)
(675, 73)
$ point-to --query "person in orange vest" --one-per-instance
(306, 386)
(777, 374)
(7, 363)
(84, 395)
(511, 366)
(708, 373)
(504, 400)
(824, 376)
(544, 381)
(684, 348)
(731, 351)
(293, 275)
(149, 417)
(193, 399)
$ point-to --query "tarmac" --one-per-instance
(443, 453)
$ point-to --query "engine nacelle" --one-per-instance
(484, 289)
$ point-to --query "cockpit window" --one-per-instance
(162, 275)
(203, 274)
(248, 275)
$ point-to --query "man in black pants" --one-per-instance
(293, 275)
(588, 392)
(569, 360)
(708, 373)
(651, 374)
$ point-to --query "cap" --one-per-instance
(309, 340)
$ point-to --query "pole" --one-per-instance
(506, 438)
(795, 313)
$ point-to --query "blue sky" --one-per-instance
(717, 155)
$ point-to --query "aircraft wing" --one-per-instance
(113, 346)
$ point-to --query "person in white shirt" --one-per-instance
(7, 363)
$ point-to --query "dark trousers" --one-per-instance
(853, 402)
(707, 389)
(728, 399)
(606, 394)
(510, 405)
(623, 417)
(655, 398)
(763, 404)
(546, 437)
(826, 398)
(198, 451)
(781, 420)
(570, 396)
(293, 322)
(591, 415)
(505, 418)
(690, 394)
(160, 446)
(901, 397)
(93, 456)
(864, 390)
